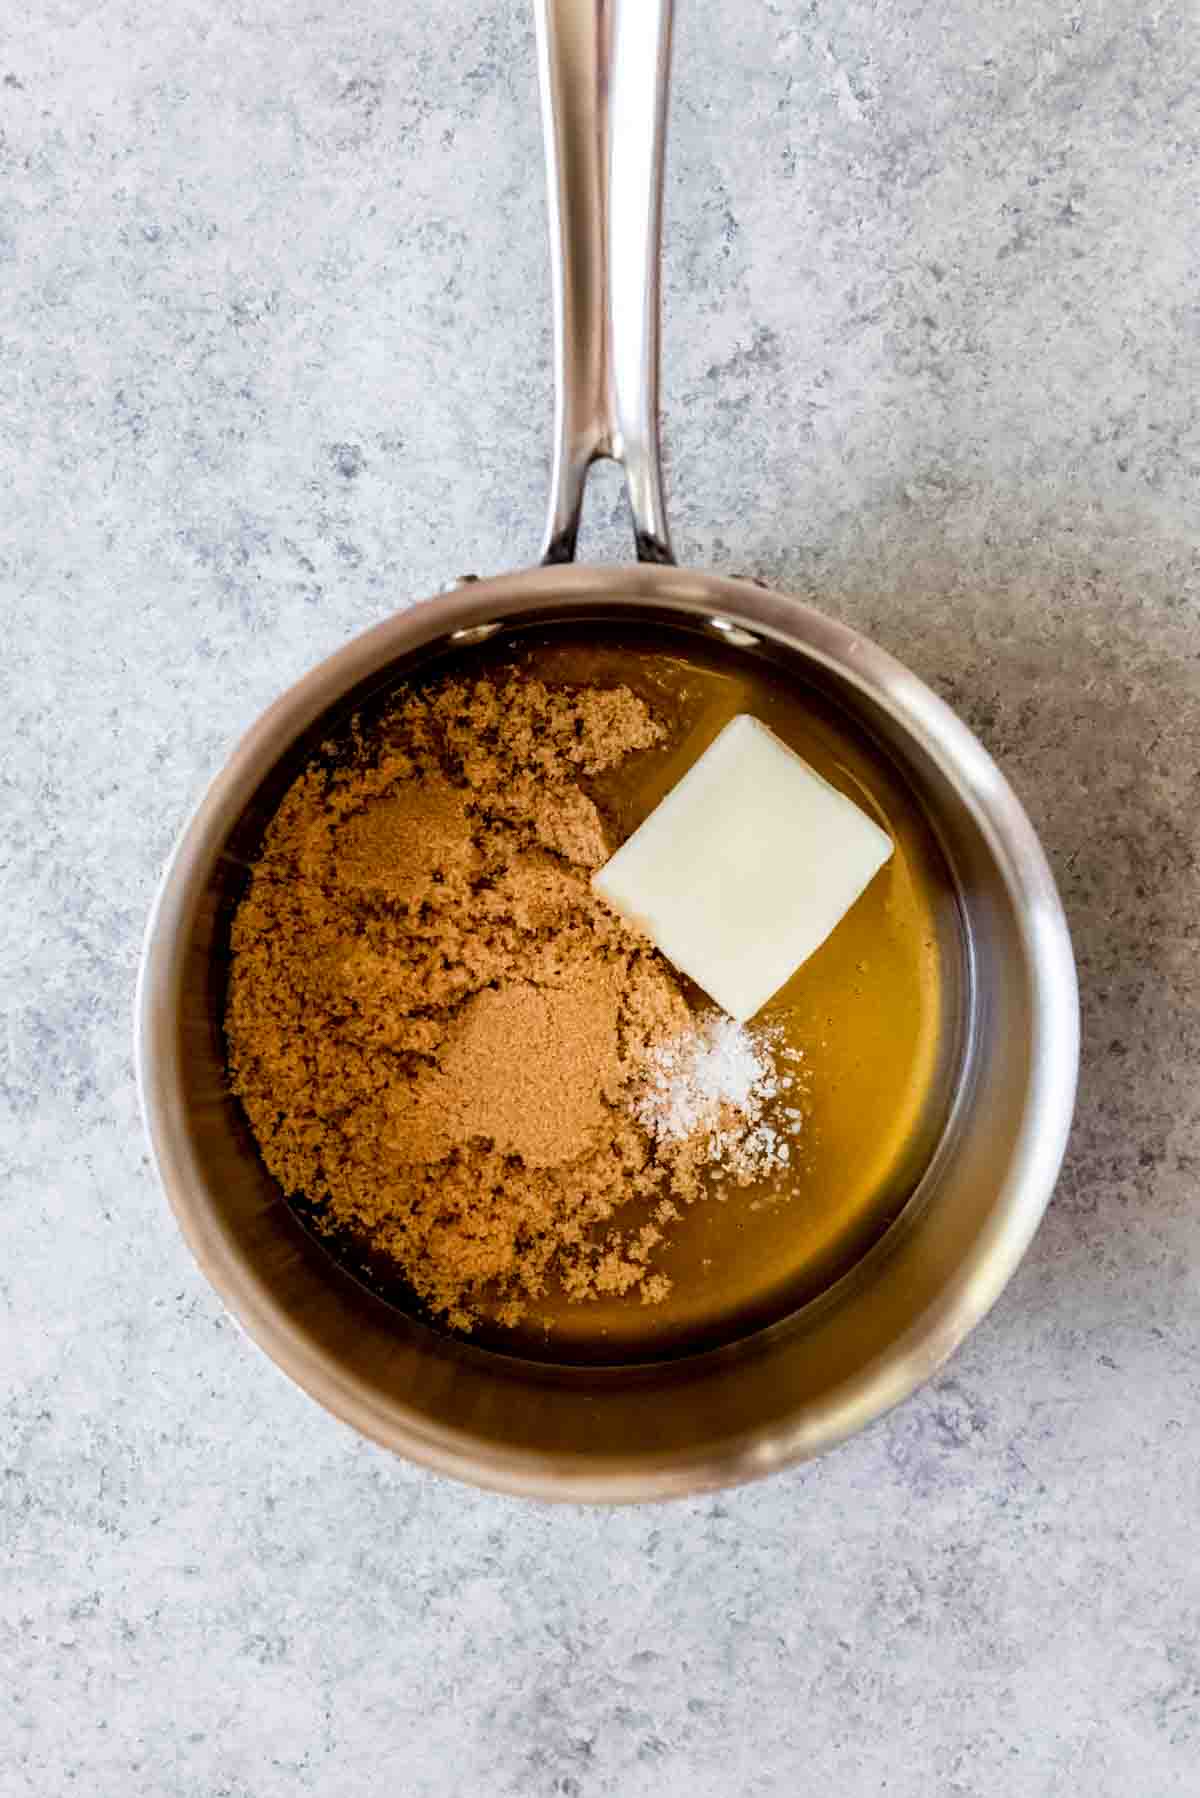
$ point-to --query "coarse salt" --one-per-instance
(714, 1084)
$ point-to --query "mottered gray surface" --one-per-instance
(274, 360)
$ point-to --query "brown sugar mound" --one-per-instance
(432, 1020)
(526, 1069)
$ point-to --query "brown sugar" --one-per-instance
(527, 1069)
(432, 1021)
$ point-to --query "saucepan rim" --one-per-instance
(726, 606)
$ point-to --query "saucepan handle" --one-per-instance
(604, 67)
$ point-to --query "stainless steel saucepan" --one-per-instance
(711, 1419)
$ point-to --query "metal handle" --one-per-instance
(604, 66)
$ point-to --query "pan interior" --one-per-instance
(880, 1013)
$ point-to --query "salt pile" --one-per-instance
(717, 1083)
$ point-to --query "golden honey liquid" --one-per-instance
(875, 1014)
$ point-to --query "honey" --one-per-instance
(876, 1013)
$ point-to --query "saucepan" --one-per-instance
(785, 1392)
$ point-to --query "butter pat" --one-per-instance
(745, 867)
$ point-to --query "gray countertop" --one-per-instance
(274, 359)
